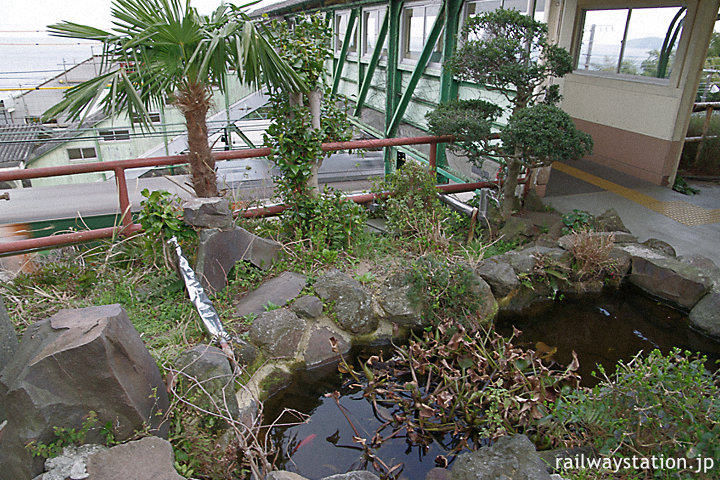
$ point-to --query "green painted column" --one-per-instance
(392, 78)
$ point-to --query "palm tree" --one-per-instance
(160, 50)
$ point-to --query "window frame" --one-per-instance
(81, 153)
(380, 11)
(338, 40)
(680, 47)
(114, 134)
(405, 55)
(154, 117)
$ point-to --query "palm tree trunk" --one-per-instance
(194, 102)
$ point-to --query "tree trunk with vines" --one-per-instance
(315, 104)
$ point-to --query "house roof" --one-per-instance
(17, 143)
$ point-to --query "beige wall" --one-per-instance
(638, 124)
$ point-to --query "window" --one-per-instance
(372, 20)
(417, 22)
(81, 153)
(112, 135)
(341, 23)
(630, 41)
(153, 117)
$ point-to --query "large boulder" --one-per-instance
(509, 458)
(705, 316)
(319, 351)
(278, 332)
(395, 303)
(352, 304)
(207, 379)
(77, 361)
(8, 341)
(307, 306)
(666, 277)
(211, 212)
(499, 275)
(276, 291)
(517, 229)
(610, 221)
(220, 250)
(144, 459)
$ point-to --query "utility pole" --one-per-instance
(590, 45)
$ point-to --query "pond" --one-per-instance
(603, 330)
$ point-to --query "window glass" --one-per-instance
(372, 20)
(341, 24)
(114, 135)
(630, 41)
(81, 153)
(417, 25)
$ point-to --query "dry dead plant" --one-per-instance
(246, 443)
(591, 251)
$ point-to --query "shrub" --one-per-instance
(655, 405)
(326, 221)
(413, 209)
(444, 290)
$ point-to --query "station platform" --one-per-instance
(690, 223)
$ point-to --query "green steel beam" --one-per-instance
(448, 84)
(417, 72)
(344, 50)
(392, 77)
(374, 60)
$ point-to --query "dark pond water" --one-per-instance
(615, 326)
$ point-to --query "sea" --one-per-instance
(29, 60)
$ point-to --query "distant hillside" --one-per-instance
(648, 43)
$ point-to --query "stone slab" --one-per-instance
(279, 290)
(8, 340)
(220, 250)
(144, 459)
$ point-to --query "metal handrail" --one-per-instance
(119, 167)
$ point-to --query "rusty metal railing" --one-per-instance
(128, 227)
(708, 107)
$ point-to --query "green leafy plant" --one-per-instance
(654, 405)
(683, 187)
(161, 218)
(576, 221)
(508, 52)
(67, 436)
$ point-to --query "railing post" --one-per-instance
(432, 160)
(125, 214)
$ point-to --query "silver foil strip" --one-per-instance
(198, 297)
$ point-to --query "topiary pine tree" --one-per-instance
(509, 53)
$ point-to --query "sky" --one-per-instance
(37, 14)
